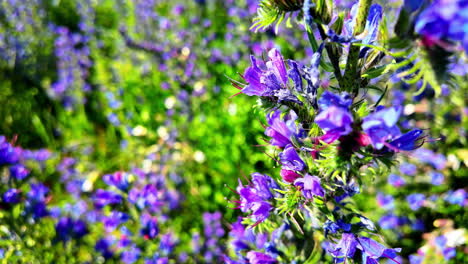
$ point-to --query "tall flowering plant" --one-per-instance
(329, 130)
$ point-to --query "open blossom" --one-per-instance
(371, 250)
(381, 126)
(266, 82)
(290, 160)
(310, 186)
(255, 197)
(335, 118)
(272, 80)
(282, 129)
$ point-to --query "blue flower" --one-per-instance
(335, 121)
(396, 180)
(265, 83)
(408, 169)
(457, 197)
(381, 126)
(408, 141)
(290, 160)
(385, 201)
(372, 251)
(310, 186)
(334, 118)
(12, 196)
(38, 192)
(103, 246)
(333, 227)
(67, 228)
(415, 200)
(345, 248)
(149, 229)
(119, 179)
(19, 172)
(444, 21)
(102, 198)
(437, 178)
(282, 130)
(8, 153)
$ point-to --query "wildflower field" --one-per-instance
(234, 131)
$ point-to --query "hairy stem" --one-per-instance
(351, 77)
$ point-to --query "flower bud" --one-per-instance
(289, 175)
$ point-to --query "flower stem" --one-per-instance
(351, 77)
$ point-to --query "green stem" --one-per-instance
(351, 77)
(332, 55)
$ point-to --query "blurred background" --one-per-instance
(143, 86)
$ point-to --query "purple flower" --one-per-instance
(391, 221)
(67, 228)
(415, 200)
(264, 184)
(264, 83)
(12, 196)
(19, 172)
(345, 248)
(416, 259)
(443, 21)
(103, 246)
(150, 227)
(112, 221)
(118, 179)
(372, 251)
(333, 227)
(396, 180)
(310, 186)
(8, 153)
(457, 197)
(335, 121)
(437, 160)
(385, 201)
(102, 198)
(259, 258)
(148, 197)
(290, 160)
(408, 169)
(328, 99)
(130, 255)
(38, 192)
(281, 130)
(437, 178)
(252, 199)
(408, 141)
(334, 118)
(381, 126)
